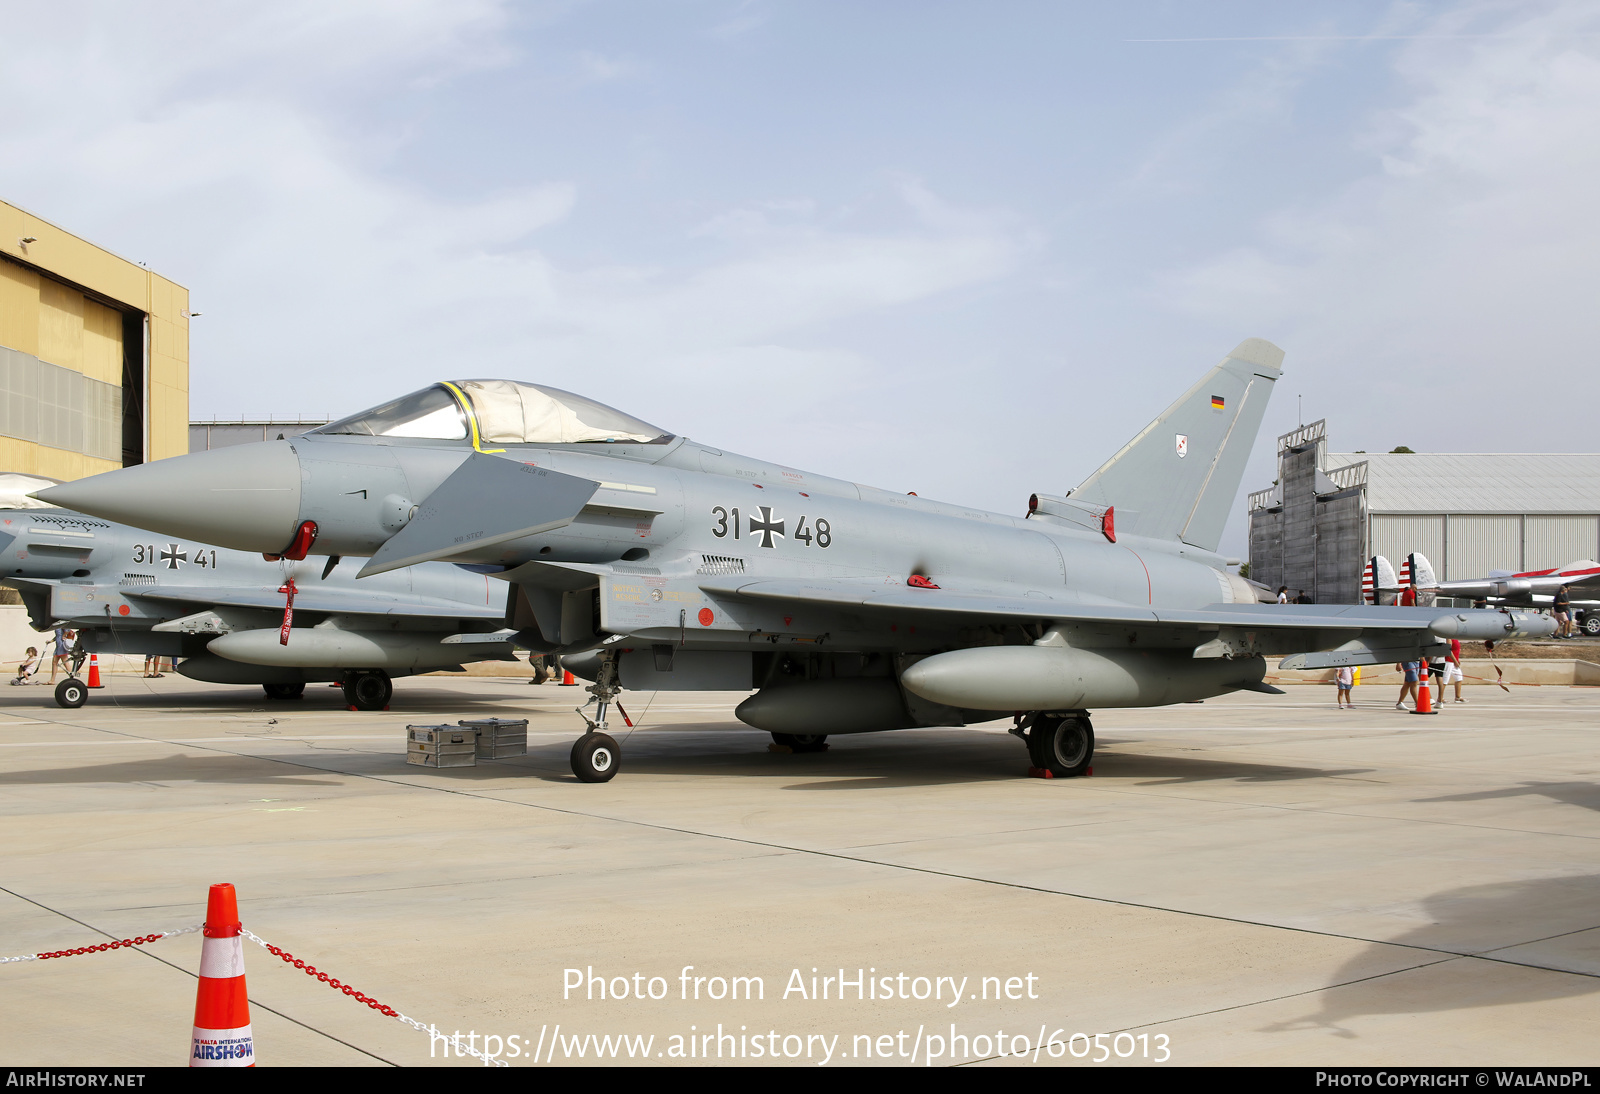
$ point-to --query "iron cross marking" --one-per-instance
(766, 527)
(174, 555)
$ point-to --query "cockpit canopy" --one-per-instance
(500, 412)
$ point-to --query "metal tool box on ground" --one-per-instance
(499, 737)
(441, 746)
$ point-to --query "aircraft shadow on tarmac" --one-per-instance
(1586, 795)
(905, 758)
(157, 772)
(447, 705)
(1463, 917)
(1168, 770)
(854, 762)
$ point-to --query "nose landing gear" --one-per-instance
(596, 756)
(72, 692)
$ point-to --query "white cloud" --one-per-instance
(1444, 298)
(1460, 271)
(740, 19)
(245, 152)
(600, 68)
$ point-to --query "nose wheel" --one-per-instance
(596, 756)
(72, 692)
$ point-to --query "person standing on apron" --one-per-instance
(60, 657)
(1410, 671)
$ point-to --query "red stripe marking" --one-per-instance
(1148, 591)
(221, 1004)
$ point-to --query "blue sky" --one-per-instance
(961, 249)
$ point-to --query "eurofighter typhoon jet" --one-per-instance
(225, 613)
(846, 608)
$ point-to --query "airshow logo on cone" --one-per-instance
(222, 1007)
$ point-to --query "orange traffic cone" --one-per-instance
(568, 680)
(221, 1007)
(1424, 694)
(94, 671)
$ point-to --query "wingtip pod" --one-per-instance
(1259, 352)
(1490, 626)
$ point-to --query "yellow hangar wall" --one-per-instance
(94, 355)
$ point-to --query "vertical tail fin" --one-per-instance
(1420, 571)
(1178, 478)
(1379, 583)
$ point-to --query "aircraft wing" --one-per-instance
(1379, 632)
(1473, 590)
(343, 601)
(1521, 584)
(903, 598)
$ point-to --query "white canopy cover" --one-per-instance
(512, 412)
(507, 412)
(15, 488)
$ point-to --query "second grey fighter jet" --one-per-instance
(846, 608)
(224, 613)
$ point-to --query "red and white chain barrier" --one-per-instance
(381, 1008)
(309, 970)
(117, 945)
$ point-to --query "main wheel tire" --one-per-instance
(1061, 744)
(595, 758)
(72, 692)
(802, 742)
(284, 691)
(368, 690)
(1591, 624)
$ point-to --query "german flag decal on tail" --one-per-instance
(1217, 402)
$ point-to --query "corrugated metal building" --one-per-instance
(204, 435)
(1469, 513)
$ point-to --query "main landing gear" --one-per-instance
(1061, 743)
(368, 690)
(801, 742)
(596, 757)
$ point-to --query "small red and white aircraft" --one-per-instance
(1537, 588)
(1415, 583)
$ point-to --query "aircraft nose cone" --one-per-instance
(246, 497)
